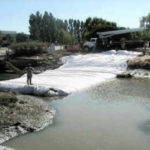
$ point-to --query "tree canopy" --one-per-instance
(45, 27)
(93, 25)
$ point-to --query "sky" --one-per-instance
(14, 14)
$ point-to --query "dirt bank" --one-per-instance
(140, 62)
(137, 67)
(39, 62)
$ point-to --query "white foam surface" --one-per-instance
(78, 72)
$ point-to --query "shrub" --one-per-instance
(29, 48)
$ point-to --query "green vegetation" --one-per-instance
(6, 39)
(47, 28)
(94, 25)
(21, 37)
(28, 48)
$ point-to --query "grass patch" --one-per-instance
(28, 48)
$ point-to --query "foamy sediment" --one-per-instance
(78, 72)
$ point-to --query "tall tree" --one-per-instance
(48, 27)
(94, 25)
(35, 26)
(71, 29)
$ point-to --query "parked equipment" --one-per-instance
(104, 38)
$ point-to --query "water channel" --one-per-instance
(112, 116)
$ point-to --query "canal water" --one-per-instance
(112, 116)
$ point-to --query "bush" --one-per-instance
(29, 48)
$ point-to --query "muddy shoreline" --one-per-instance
(21, 114)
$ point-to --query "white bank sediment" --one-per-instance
(78, 72)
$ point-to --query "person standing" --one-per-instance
(29, 71)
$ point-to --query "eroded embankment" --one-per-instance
(140, 62)
(21, 114)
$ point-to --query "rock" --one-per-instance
(140, 62)
(139, 72)
(124, 75)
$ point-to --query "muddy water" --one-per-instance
(111, 116)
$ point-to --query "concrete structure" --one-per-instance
(54, 48)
